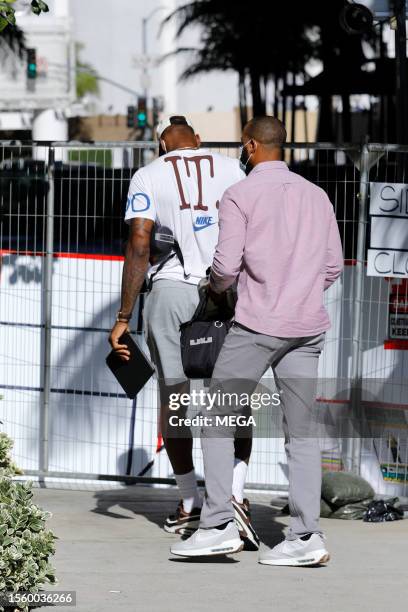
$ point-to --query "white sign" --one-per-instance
(398, 326)
(388, 250)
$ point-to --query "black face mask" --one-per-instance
(244, 159)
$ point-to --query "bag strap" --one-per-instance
(199, 311)
(177, 252)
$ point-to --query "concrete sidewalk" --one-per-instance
(114, 554)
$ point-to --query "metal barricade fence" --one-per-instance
(61, 248)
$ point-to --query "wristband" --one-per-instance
(123, 318)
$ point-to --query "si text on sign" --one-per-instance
(388, 249)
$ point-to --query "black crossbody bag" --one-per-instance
(201, 340)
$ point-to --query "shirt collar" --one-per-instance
(270, 165)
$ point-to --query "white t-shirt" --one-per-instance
(181, 190)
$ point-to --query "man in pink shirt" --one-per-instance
(279, 238)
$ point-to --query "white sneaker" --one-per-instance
(207, 542)
(297, 552)
(182, 522)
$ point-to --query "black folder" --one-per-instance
(132, 375)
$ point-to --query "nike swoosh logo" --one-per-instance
(197, 228)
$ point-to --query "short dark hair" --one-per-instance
(267, 130)
(179, 123)
(178, 120)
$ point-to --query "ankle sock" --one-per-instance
(238, 481)
(187, 484)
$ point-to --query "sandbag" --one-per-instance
(325, 509)
(352, 512)
(341, 488)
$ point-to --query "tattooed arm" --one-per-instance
(136, 262)
(134, 270)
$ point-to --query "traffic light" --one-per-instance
(141, 116)
(131, 112)
(31, 63)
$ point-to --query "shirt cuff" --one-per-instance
(219, 283)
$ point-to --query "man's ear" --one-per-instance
(163, 145)
(198, 140)
(254, 145)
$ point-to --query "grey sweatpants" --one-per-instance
(168, 304)
(244, 358)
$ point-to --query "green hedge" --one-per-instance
(25, 543)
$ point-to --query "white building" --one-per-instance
(40, 103)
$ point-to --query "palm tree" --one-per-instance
(270, 41)
(221, 50)
(338, 52)
(260, 44)
(221, 43)
(12, 40)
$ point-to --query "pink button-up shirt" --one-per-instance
(278, 233)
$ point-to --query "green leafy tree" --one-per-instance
(86, 76)
(7, 11)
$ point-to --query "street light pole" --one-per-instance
(145, 21)
(144, 55)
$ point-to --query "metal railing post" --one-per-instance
(357, 308)
(47, 309)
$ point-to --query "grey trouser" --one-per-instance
(168, 304)
(244, 358)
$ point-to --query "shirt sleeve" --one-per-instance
(335, 259)
(140, 202)
(229, 252)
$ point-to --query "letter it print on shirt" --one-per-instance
(196, 160)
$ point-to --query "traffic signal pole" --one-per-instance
(145, 74)
(145, 71)
(144, 54)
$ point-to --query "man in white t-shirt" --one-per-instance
(179, 192)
